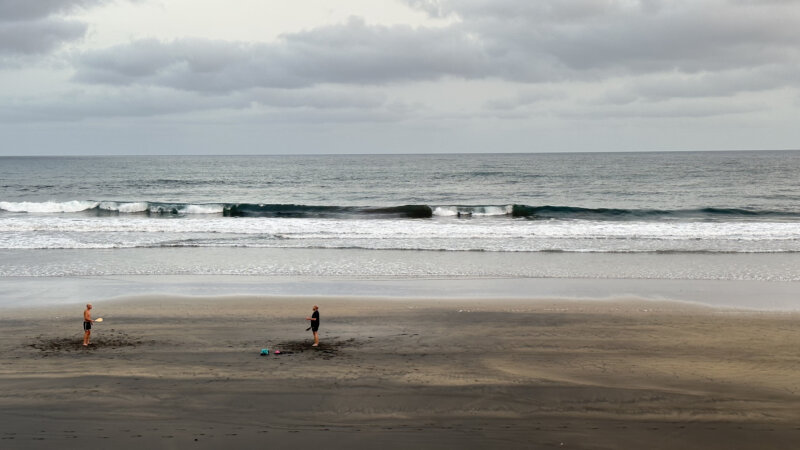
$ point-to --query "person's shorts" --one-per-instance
(314, 329)
(87, 326)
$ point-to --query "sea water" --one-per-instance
(645, 216)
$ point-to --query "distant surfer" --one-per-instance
(87, 324)
(314, 320)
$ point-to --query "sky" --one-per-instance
(105, 77)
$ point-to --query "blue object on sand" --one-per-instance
(264, 351)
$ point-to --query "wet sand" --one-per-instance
(172, 372)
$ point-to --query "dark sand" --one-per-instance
(186, 373)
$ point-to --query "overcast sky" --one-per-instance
(397, 76)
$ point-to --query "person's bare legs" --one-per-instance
(316, 339)
(87, 324)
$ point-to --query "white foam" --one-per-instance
(493, 210)
(134, 207)
(450, 211)
(48, 207)
(445, 211)
(63, 231)
(202, 209)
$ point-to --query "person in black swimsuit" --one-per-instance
(314, 320)
(87, 325)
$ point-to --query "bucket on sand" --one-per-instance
(264, 351)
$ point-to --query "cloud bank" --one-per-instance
(509, 40)
(511, 60)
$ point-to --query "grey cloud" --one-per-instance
(317, 98)
(617, 96)
(530, 42)
(352, 53)
(620, 103)
(666, 51)
(80, 105)
(369, 54)
(524, 99)
(586, 36)
(713, 84)
(543, 10)
(761, 2)
(126, 102)
(24, 10)
(33, 27)
(680, 108)
(321, 117)
(39, 36)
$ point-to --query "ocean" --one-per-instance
(720, 216)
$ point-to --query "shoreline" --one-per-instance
(169, 371)
(352, 263)
(33, 292)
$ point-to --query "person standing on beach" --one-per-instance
(314, 319)
(87, 324)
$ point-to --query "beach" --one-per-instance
(590, 301)
(524, 224)
(168, 371)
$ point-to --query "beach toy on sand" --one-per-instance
(277, 352)
(264, 351)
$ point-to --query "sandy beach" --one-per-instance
(186, 372)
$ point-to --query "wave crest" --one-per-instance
(413, 211)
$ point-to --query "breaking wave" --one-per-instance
(421, 211)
